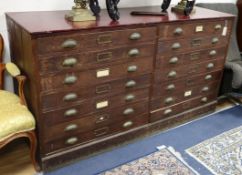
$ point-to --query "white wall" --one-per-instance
(42, 5)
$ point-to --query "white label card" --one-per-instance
(187, 93)
(103, 73)
(102, 104)
(225, 30)
(199, 28)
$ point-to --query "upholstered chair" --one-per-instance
(15, 119)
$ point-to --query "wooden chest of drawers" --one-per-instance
(97, 84)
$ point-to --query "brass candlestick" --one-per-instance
(80, 12)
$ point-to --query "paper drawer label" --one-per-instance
(103, 73)
(199, 28)
(102, 104)
(225, 29)
(187, 93)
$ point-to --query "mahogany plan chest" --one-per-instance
(96, 84)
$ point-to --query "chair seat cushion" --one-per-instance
(14, 118)
(8, 98)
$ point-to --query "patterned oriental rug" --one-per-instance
(222, 154)
(163, 162)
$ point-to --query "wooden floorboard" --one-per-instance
(15, 160)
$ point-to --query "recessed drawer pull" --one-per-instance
(176, 46)
(129, 97)
(104, 56)
(135, 36)
(128, 111)
(132, 68)
(70, 97)
(71, 127)
(169, 100)
(172, 74)
(70, 79)
(70, 112)
(178, 31)
(134, 52)
(127, 124)
(205, 89)
(130, 83)
(215, 40)
(213, 53)
(70, 43)
(210, 66)
(170, 87)
(103, 89)
(69, 62)
(168, 111)
(208, 77)
(204, 99)
(218, 27)
(71, 140)
(101, 132)
(173, 60)
(102, 118)
(196, 42)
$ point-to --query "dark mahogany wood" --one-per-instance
(121, 66)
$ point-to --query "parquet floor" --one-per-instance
(15, 160)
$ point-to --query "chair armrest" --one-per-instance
(14, 71)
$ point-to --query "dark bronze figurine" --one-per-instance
(112, 8)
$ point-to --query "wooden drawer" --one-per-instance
(90, 60)
(98, 104)
(67, 42)
(185, 93)
(197, 29)
(92, 122)
(81, 138)
(190, 70)
(191, 44)
(171, 87)
(176, 60)
(97, 76)
(70, 97)
(164, 113)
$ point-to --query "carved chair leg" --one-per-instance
(33, 146)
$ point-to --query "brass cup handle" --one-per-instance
(204, 99)
(71, 127)
(208, 77)
(130, 83)
(71, 140)
(169, 100)
(70, 79)
(205, 89)
(128, 111)
(127, 124)
(176, 46)
(178, 31)
(173, 60)
(218, 27)
(134, 52)
(70, 112)
(70, 43)
(69, 62)
(172, 74)
(132, 68)
(215, 40)
(70, 97)
(168, 111)
(135, 36)
(213, 53)
(210, 66)
(170, 87)
(129, 97)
